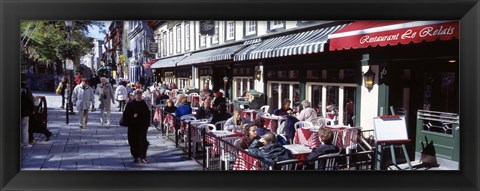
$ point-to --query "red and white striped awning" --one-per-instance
(362, 34)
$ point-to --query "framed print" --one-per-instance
(428, 64)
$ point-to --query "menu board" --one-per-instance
(390, 128)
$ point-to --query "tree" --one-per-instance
(46, 40)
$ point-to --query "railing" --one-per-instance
(439, 122)
(230, 157)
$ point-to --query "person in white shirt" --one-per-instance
(82, 95)
(121, 95)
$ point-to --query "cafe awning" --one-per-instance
(167, 62)
(307, 42)
(217, 54)
(362, 34)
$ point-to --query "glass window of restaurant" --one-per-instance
(205, 79)
(183, 78)
(283, 84)
(242, 81)
(332, 93)
(169, 77)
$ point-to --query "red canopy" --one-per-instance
(362, 34)
(147, 65)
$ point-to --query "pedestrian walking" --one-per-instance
(121, 95)
(27, 107)
(61, 90)
(81, 97)
(137, 118)
(105, 93)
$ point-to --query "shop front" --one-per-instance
(415, 64)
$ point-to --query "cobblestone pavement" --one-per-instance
(96, 147)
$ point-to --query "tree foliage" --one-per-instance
(47, 40)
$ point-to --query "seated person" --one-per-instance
(285, 109)
(236, 121)
(219, 99)
(267, 148)
(183, 108)
(205, 111)
(261, 130)
(160, 96)
(326, 137)
(220, 114)
(170, 107)
(308, 113)
(250, 135)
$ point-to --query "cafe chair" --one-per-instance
(263, 114)
(188, 117)
(227, 152)
(197, 138)
(330, 161)
(303, 124)
(265, 108)
(330, 118)
(291, 164)
(220, 124)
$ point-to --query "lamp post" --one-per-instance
(68, 25)
(225, 81)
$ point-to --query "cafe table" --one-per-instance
(245, 161)
(250, 114)
(300, 152)
(220, 134)
(273, 122)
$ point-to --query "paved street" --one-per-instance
(96, 147)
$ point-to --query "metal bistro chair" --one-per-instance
(197, 138)
(186, 118)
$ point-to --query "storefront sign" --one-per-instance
(362, 34)
(207, 28)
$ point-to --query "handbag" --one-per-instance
(123, 122)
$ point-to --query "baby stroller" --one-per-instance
(38, 120)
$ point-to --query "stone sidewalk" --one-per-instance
(96, 147)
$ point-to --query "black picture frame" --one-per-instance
(12, 12)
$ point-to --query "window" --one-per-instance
(205, 81)
(170, 41)
(241, 85)
(278, 91)
(203, 40)
(334, 101)
(215, 36)
(183, 82)
(187, 36)
(250, 28)
(276, 24)
(179, 39)
(164, 43)
(230, 30)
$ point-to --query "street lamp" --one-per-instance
(69, 25)
(225, 81)
(368, 78)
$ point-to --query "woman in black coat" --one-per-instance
(137, 117)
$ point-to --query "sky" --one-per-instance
(95, 31)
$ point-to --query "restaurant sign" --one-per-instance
(392, 33)
(207, 28)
